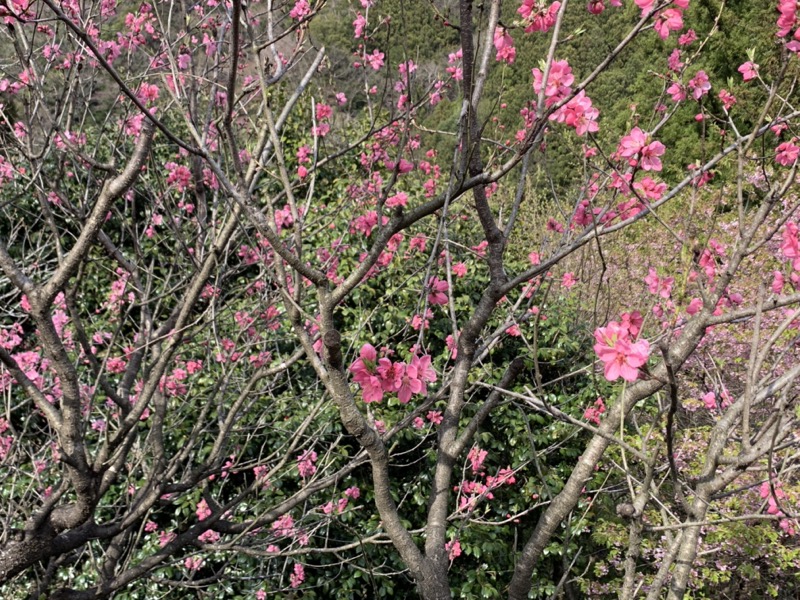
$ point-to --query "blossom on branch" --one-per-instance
(621, 356)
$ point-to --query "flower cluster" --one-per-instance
(537, 17)
(559, 82)
(774, 494)
(659, 285)
(669, 19)
(437, 291)
(473, 491)
(305, 463)
(453, 549)
(621, 356)
(791, 244)
(298, 576)
(635, 145)
(595, 411)
(378, 376)
(786, 154)
(504, 44)
(578, 112)
(341, 504)
(788, 21)
(749, 70)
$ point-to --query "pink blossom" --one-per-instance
(480, 249)
(595, 411)
(791, 245)
(455, 70)
(459, 269)
(452, 345)
(417, 323)
(710, 400)
(700, 85)
(209, 537)
(418, 243)
(728, 99)
(635, 143)
(631, 144)
(649, 189)
(632, 323)
(365, 373)
(568, 280)
(788, 19)
(779, 128)
(674, 61)
(260, 473)
(687, 38)
(305, 463)
(321, 130)
(579, 113)
(709, 264)
(749, 70)
(425, 371)
(453, 548)
(670, 19)
(657, 285)
(504, 44)
(179, 176)
(304, 154)
(621, 356)
(677, 92)
(358, 26)
(787, 525)
(322, 111)
(595, 7)
(390, 374)
(504, 476)
(476, 457)
(403, 166)
(786, 153)
(650, 153)
(778, 282)
(375, 59)
(193, 563)
(437, 289)
(203, 511)
(284, 526)
(147, 93)
(399, 199)
(301, 10)
(435, 417)
(408, 383)
(298, 576)
(537, 17)
(559, 80)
